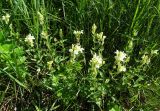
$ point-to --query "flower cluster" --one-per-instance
(120, 60)
(49, 64)
(29, 39)
(96, 61)
(76, 49)
(78, 34)
(120, 56)
(100, 37)
(44, 35)
(121, 68)
(145, 59)
(41, 18)
(6, 18)
(94, 28)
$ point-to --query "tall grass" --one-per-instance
(46, 75)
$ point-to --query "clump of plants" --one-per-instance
(48, 63)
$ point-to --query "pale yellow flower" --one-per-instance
(78, 34)
(120, 56)
(145, 59)
(100, 37)
(49, 63)
(29, 39)
(44, 35)
(6, 18)
(97, 61)
(94, 28)
(76, 49)
(41, 18)
(121, 68)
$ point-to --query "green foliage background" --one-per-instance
(70, 86)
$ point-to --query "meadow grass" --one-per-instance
(82, 55)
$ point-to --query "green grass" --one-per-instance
(30, 81)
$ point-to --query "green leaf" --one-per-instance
(16, 80)
(37, 109)
(1, 36)
(115, 108)
(134, 98)
(5, 48)
(18, 51)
